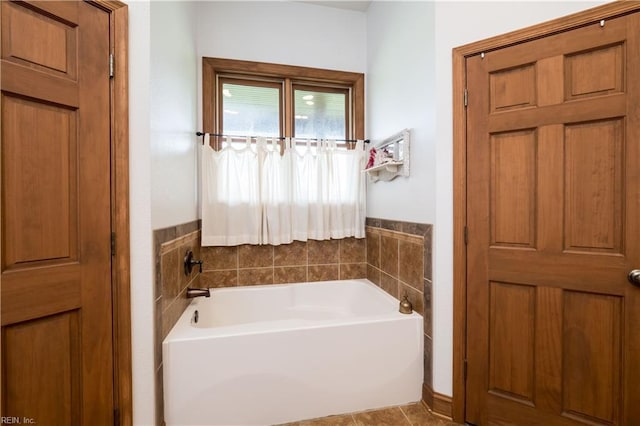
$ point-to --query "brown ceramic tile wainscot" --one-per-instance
(389, 284)
(428, 369)
(288, 263)
(216, 258)
(428, 313)
(389, 255)
(323, 252)
(289, 274)
(428, 253)
(294, 254)
(255, 276)
(170, 277)
(323, 272)
(220, 278)
(170, 245)
(353, 250)
(374, 275)
(250, 256)
(350, 271)
(373, 249)
(411, 259)
(399, 262)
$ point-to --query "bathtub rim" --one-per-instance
(184, 331)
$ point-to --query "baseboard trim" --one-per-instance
(438, 404)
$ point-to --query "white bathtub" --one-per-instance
(280, 353)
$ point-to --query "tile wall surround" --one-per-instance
(287, 263)
(395, 255)
(399, 262)
(170, 245)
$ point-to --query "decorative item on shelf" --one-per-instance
(372, 158)
(389, 158)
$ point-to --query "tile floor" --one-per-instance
(406, 415)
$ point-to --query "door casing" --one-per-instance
(460, 166)
(120, 272)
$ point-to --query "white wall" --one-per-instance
(401, 94)
(458, 23)
(173, 113)
(142, 334)
(283, 32)
(161, 145)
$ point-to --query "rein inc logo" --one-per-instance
(6, 420)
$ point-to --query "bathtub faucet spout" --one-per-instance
(197, 292)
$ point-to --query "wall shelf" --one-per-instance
(391, 166)
(391, 158)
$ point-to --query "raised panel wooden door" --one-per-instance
(553, 325)
(57, 366)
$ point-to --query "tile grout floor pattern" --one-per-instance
(406, 415)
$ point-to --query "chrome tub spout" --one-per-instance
(197, 292)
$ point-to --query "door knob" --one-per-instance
(634, 277)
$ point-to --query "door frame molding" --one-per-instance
(120, 267)
(460, 165)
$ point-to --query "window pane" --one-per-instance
(250, 110)
(320, 115)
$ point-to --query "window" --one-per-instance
(244, 98)
(321, 113)
(250, 107)
(265, 194)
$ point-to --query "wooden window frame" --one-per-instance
(214, 68)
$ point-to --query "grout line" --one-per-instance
(400, 285)
(405, 415)
(380, 257)
(237, 267)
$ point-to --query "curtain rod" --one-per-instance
(278, 137)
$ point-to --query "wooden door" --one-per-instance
(57, 362)
(553, 147)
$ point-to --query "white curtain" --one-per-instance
(251, 194)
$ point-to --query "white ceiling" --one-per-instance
(359, 5)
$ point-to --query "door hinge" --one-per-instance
(466, 236)
(113, 244)
(466, 97)
(116, 417)
(111, 65)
